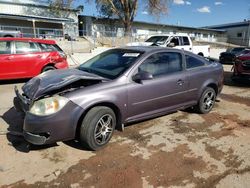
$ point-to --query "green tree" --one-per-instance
(125, 10)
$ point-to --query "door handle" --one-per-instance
(39, 56)
(180, 82)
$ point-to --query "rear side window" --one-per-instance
(50, 47)
(5, 47)
(175, 40)
(24, 47)
(162, 63)
(192, 62)
(185, 41)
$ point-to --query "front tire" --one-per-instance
(206, 101)
(97, 127)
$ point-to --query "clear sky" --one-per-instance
(194, 13)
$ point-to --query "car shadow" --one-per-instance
(16, 81)
(14, 133)
(244, 83)
(76, 144)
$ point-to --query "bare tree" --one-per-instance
(61, 3)
(126, 10)
(56, 6)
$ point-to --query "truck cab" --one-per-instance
(179, 41)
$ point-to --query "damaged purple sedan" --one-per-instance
(117, 87)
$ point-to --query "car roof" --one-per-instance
(149, 48)
(44, 41)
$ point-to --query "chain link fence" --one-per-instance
(92, 38)
(116, 38)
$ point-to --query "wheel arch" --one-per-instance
(214, 86)
(106, 104)
(47, 65)
(200, 54)
(8, 35)
(209, 83)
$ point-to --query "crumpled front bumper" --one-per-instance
(40, 130)
(49, 129)
(21, 103)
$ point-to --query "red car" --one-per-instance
(26, 57)
(241, 67)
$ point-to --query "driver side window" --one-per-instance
(175, 40)
(162, 64)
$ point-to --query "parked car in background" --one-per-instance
(183, 42)
(229, 56)
(241, 67)
(6, 33)
(114, 88)
(26, 58)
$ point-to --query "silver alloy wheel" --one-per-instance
(103, 129)
(208, 101)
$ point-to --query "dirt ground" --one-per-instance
(183, 149)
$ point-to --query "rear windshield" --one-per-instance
(237, 50)
(50, 47)
(112, 63)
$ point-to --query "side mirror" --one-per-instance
(143, 75)
(171, 45)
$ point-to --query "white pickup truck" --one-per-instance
(175, 41)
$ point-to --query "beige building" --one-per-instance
(94, 26)
(237, 33)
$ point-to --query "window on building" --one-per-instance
(162, 64)
(205, 35)
(239, 34)
(192, 62)
(5, 47)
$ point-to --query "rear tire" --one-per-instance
(206, 101)
(48, 68)
(97, 127)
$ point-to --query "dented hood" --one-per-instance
(54, 80)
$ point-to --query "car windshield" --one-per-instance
(157, 39)
(237, 50)
(112, 63)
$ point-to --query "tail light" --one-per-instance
(236, 64)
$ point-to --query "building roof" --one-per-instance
(159, 24)
(36, 3)
(36, 18)
(229, 25)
